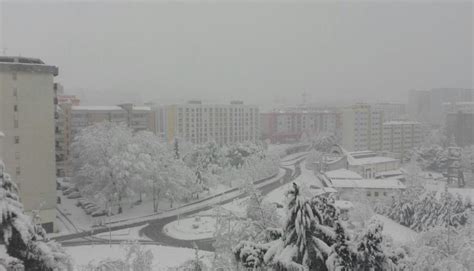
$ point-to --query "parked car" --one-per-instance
(74, 195)
(100, 212)
(69, 191)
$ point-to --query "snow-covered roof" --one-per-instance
(371, 160)
(141, 108)
(390, 173)
(96, 107)
(369, 183)
(343, 174)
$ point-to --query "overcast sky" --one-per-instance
(261, 53)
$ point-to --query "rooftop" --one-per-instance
(343, 174)
(371, 160)
(369, 183)
(25, 64)
(96, 108)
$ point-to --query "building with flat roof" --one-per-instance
(361, 128)
(27, 111)
(198, 123)
(289, 126)
(399, 137)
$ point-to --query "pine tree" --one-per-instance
(370, 254)
(342, 257)
(176, 149)
(304, 244)
(24, 240)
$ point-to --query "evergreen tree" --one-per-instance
(23, 239)
(370, 254)
(176, 149)
(306, 241)
(342, 257)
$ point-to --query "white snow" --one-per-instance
(399, 233)
(191, 228)
(343, 174)
(371, 160)
(369, 183)
(163, 257)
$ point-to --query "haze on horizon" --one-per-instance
(262, 53)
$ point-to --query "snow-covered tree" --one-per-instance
(98, 151)
(323, 142)
(443, 248)
(137, 258)
(370, 253)
(306, 241)
(342, 256)
(24, 240)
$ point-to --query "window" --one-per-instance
(17, 140)
(18, 171)
(368, 193)
(15, 108)
(385, 193)
(376, 194)
(17, 155)
(15, 92)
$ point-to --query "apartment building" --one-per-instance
(361, 128)
(391, 111)
(399, 137)
(27, 110)
(460, 125)
(427, 105)
(198, 123)
(289, 126)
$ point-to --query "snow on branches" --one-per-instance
(24, 240)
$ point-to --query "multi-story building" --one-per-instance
(461, 126)
(427, 105)
(84, 116)
(27, 111)
(399, 137)
(361, 128)
(198, 123)
(289, 126)
(391, 111)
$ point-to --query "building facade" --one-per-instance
(198, 123)
(291, 125)
(427, 105)
(361, 128)
(460, 125)
(399, 137)
(27, 110)
(391, 111)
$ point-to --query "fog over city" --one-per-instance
(236, 135)
(262, 52)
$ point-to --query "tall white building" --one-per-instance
(27, 111)
(399, 137)
(361, 128)
(198, 123)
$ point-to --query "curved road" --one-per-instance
(154, 230)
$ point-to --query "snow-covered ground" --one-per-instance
(399, 233)
(164, 257)
(191, 228)
(307, 179)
